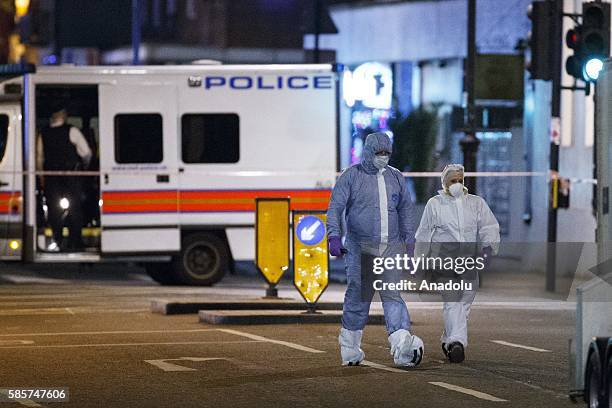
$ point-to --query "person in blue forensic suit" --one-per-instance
(456, 217)
(372, 197)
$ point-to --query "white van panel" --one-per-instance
(134, 240)
(242, 243)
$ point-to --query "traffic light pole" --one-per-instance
(590, 40)
(136, 32)
(469, 143)
(551, 253)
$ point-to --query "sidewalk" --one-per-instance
(507, 291)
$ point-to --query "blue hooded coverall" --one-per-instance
(379, 212)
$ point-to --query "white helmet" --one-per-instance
(407, 349)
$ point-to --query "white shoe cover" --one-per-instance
(407, 350)
(350, 346)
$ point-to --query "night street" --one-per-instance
(94, 334)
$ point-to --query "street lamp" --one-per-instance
(21, 7)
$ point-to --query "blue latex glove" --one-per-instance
(410, 249)
(487, 254)
(335, 246)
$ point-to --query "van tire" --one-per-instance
(203, 261)
(161, 273)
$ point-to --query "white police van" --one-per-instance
(180, 154)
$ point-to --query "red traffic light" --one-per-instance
(571, 38)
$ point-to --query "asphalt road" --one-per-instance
(96, 337)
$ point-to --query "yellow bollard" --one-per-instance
(310, 255)
(272, 240)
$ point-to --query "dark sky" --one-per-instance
(250, 23)
(93, 23)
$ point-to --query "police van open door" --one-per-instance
(11, 180)
(138, 168)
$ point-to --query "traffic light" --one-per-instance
(573, 64)
(541, 40)
(595, 37)
(590, 42)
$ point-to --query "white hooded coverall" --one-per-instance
(449, 219)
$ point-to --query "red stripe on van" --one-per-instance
(10, 202)
(207, 200)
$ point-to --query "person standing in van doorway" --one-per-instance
(61, 147)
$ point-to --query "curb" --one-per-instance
(174, 307)
(248, 317)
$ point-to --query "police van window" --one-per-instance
(138, 138)
(210, 138)
(4, 125)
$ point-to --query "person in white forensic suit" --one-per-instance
(455, 216)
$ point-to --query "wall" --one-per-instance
(423, 30)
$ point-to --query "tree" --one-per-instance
(414, 139)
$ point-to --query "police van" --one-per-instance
(180, 153)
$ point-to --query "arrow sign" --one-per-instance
(308, 233)
(310, 230)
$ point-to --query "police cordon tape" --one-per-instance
(247, 173)
(257, 173)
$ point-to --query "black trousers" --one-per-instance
(56, 188)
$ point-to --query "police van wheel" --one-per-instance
(161, 273)
(203, 261)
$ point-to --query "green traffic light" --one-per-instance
(592, 68)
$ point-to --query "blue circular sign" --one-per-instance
(310, 230)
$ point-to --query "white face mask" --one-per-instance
(456, 190)
(381, 161)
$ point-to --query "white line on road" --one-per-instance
(24, 402)
(367, 363)
(32, 279)
(174, 343)
(166, 366)
(473, 393)
(109, 332)
(265, 339)
(34, 312)
(13, 342)
(66, 311)
(505, 343)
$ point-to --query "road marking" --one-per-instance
(265, 339)
(367, 363)
(128, 344)
(35, 312)
(67, 311)
(544, 305)
(32, 279)
(24, 402)
(166, 366)
(505, 343)
(12, 342)
(473, 393)
(109, 332)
